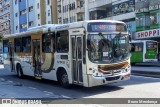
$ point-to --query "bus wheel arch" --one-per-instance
(19, 70)
(62, 77)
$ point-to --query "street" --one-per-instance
(136, 87)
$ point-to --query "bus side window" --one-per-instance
(26, 44)
(48, 42)
(62, 41)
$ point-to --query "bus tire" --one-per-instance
(63, 79)
(19, 71)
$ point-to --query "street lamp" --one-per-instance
(9, 27)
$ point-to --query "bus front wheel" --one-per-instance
(19, 71)
(63, 79)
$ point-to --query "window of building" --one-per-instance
(49, 22)
(62, 41)
(23, 12)
(31, 23)
(16, 27)
(48, 41)
(18, 44)
(48, 2)
(49, 13)
(16, 14)
(23, 25)
(38, 16)
(37, 5)
(15, 2)
(30, 8)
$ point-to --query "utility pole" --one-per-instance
(86, 10)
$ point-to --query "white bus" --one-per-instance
(87, 53)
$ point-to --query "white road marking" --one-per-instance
(10, 81)
(2, 79)
(146, 77)
(47, 92)
(32, 88)
(65, 96)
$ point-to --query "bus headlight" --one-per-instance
(126, 69)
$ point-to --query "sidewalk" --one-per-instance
(151, 70)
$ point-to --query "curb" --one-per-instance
(147, 74)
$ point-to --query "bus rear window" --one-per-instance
(106, 27)
(151, 45)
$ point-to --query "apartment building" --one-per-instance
(51, 11)
(27, 14)
(31, 13)
(70, 11)
(5, 17)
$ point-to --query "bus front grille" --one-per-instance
(112, 78)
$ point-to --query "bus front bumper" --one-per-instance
(102, 80)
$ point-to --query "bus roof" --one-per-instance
(56, 27)
(138, 41)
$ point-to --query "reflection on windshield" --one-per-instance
(108, 48)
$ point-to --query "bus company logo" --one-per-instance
(6, 101)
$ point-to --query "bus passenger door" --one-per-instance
(77, 59)
(37, 59)
(11, 54)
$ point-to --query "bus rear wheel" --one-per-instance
(63, 79)
(19, 71)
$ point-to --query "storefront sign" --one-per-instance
(124, 7)
(148, 34)
(157, 6)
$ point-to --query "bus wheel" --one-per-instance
(63, 79)
(19, 71)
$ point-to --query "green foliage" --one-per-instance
(1, 37)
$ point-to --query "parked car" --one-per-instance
(1, 58)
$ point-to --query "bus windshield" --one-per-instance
(108, 48)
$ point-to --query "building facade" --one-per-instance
(70, 11)
(123, 10)
(148, 19)
(32, 13)
(5, 17)
(51, 11)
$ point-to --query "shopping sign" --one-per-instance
(148, 34)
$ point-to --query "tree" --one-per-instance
(1, 37)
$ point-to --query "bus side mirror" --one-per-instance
(130, 37)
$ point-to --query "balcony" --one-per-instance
(80, 10)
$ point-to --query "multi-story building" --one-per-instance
(5, 17)
(70, 11)
(31, 13)
(27, 14)
(148, 20)
(51, 11)
(123, 10)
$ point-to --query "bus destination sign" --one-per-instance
(106, 27)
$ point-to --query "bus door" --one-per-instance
(37, 59)
(11, 54)
(77, 53)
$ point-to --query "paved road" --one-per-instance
(137, 87)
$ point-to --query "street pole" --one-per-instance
(86, 10)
